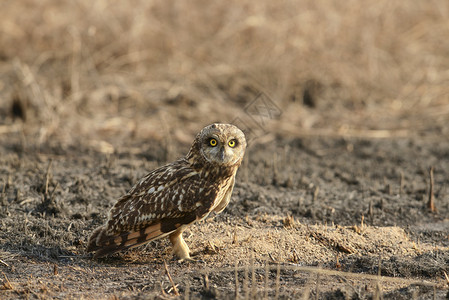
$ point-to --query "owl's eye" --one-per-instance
(232, 143)
(213, 142)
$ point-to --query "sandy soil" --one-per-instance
(339, 206)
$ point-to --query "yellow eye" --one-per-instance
(231, 143)
(213, 142)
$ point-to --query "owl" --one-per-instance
(171, 198)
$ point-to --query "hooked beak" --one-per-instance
(221, 154)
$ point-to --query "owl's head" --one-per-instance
(222, 144)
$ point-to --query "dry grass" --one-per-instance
(102, 69)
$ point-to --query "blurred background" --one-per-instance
(105, 73)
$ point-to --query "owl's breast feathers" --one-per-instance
(166, 199)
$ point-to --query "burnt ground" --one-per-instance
(338, 217)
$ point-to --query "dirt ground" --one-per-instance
(346, 147)
(357, 207)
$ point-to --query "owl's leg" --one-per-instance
(180, 248)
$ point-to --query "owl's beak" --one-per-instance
(221, 154)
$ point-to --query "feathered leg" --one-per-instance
(180, 248)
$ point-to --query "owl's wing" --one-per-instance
(163, 201)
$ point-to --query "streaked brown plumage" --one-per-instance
(169, 199)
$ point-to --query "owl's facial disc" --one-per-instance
(221, 149)
(222, 144)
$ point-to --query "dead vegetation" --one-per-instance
(94, 94)
(103, 69)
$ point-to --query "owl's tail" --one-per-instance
(103, 244)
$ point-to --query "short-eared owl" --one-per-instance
(169, 199)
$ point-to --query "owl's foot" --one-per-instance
(190, 260)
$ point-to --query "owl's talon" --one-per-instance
(190, 260)
(187, 259)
